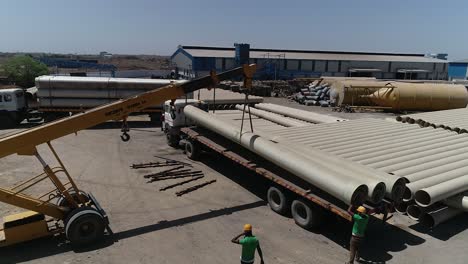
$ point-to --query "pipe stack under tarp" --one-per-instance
(299, 114)
(336, 182)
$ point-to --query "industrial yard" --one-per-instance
(253, 132)
(197, 227)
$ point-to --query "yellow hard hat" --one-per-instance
(361, 209)
(247, 227)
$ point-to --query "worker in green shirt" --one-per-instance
(360, 220)
(249, 244)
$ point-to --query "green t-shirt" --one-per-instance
(249, 244)
(360, 224)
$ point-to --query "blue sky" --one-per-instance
(157, 27)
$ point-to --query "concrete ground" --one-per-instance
(158, 227)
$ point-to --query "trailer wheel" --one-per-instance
(172, 140)
(278, 200)
(306, 215)
(192, 150)
(84, 225)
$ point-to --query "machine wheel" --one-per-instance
(192, 150)
(6, 121)
(278, 200)
(84, 225)
(172, 140)
(63, 202)
(306, 215)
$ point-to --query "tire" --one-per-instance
(84, 226)
(172, 140)
(192, 150)
(6, 121)
(63, 202)
(306, 215)
(278, 200)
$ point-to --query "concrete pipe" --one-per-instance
(402, 207)
(415, 212)
(402, 146)
(461, 141)
(374, 180)
(299, 114)
(459, 201)
(378, 143)
(430, 195)
(429, 165)
(284, 121)
(335, 182)
(392, 159)
(435, 179)
(436, 217)
(434, 170)
(420, 159)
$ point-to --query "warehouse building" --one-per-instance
(458, 70)
(193, 61)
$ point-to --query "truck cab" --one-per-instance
(173, 118)
(13, 107)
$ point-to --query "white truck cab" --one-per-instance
(173, 118)
(12, 100)
(13, 106)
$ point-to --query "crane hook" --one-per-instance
(125, 137)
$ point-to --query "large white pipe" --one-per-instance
(430, 195)
(430, 165)
(459, 201)
(434, 218)
(353, 149)
(384, 159)
(420, 159)
(284, 121)
(437, 178)
(374, 180)
(335, 182)
(415, 212)
(394, 148)
(299, 114)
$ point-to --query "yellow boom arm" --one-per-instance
(24, 143)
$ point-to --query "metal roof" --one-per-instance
(460, 61)
(309, 55)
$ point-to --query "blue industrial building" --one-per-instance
(458, 70)
(194, 61)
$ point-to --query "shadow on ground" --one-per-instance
(381, 239)
(445, 230)
(41, 248)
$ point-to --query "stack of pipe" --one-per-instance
(433, 163)
(315, 93)
(425, 168)
(344, 183)
(455, 119)
(299, 114)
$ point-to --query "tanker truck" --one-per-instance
(55, 97)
